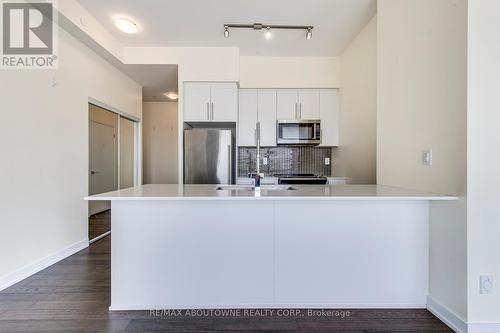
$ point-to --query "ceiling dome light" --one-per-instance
(268, 34)
(126, 25)
(171, 95)
(309, 33)
(226, 32)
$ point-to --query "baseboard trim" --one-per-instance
(37, 266)
(346, 306)
(93, 240)
(482, 327)
(450, 318)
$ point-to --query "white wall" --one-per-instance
(483, 178)
(160, 135)
(422, 89)
(44, 145)
(355, 158)
(289, 72)
(195, 63)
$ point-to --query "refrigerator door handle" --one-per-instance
(230, 162)
(212, 117)
(208, 111)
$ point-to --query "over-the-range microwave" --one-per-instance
(298, 132)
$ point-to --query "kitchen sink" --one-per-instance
(277, 188)
(252, 188)
(234, 188)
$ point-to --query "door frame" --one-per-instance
(137, 138)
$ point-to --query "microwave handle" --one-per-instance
(314, 131)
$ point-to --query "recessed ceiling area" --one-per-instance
(201, 23)
(154, 79)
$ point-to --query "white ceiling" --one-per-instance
(200, 23)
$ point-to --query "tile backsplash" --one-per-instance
(285, 160)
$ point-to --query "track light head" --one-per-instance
(226, 32)
(268, 34)
(309, 33)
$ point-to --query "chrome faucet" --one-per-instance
(257, 177)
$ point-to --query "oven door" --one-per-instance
(297, 132)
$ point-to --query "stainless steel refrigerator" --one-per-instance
(208, 156)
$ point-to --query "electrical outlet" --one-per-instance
(265, 161)
(486, 284)
(427, 157)
(327, 160)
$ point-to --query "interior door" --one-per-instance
(287, 104)
(224, 98)
(247, 117)
(196, 101)
(267, 117)
(127, 152)
(309, 104)
(102, 163)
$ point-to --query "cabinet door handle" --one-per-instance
(300, 111)
(296, 111)
(212, 110)
(208, 111)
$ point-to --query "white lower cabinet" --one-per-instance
(257, 105)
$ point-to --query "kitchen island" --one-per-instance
(341, 246)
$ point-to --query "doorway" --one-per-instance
(112, 163)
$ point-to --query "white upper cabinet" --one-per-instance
(205, 101)
(287, 104)
(268, 105)
(197, 101)
(329, 110)
(247, 117)
(308, 104)
(257, 105)
(298, 104)
(224, 101)
(267, 117)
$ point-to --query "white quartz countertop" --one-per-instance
(301, 192)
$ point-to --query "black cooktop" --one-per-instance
(301, 178)
(297, 175)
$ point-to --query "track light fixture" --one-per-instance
(267, 34)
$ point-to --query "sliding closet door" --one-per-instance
(127, 152)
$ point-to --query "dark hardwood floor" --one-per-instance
(74, 294)
(99, 224)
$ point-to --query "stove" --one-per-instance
(301, 178)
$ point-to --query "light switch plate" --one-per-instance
(486, 284)
(427, 157)
(327, 160)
